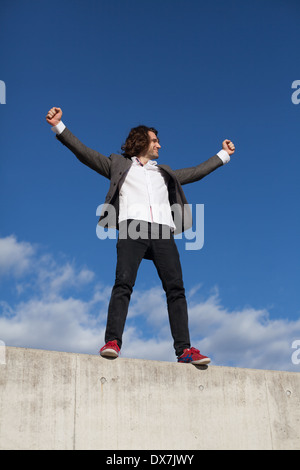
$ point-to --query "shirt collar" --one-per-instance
(137, 162)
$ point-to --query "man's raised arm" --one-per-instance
(86, 155)
(196, 173)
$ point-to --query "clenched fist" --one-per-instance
(228, 146)
(54, 116)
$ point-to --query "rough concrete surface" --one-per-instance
(55, 400)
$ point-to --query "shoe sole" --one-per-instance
(202, 361)
(109, 353)
(198, 362)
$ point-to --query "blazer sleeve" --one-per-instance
(93, 159)
(196, 173)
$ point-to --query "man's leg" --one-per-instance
(166, 259)
(129, 256)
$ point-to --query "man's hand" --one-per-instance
(54, 116)
(228, 146)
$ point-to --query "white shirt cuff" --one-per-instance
(224, 156)
(59, 128)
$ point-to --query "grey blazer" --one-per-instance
(115, 166)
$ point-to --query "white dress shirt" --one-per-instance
(143, 190)
(144, 194)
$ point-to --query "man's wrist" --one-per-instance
(59, 128)
(224, 156)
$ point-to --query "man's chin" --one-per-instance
(154, 156)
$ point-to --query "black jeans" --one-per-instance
(150, 244)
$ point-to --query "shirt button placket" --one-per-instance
(149, 188)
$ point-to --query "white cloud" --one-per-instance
(48, 312)
(246, 338)
(54, 310)
(60, 277)
(15, 257)
(59, 324)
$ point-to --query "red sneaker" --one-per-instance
(111, 349)
(193, 356)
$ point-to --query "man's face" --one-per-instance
(154, 146)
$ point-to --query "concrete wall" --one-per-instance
(53, 400)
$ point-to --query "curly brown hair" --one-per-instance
(137, 141)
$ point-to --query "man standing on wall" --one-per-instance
(147, 199)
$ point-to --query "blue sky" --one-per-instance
(199, 72)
